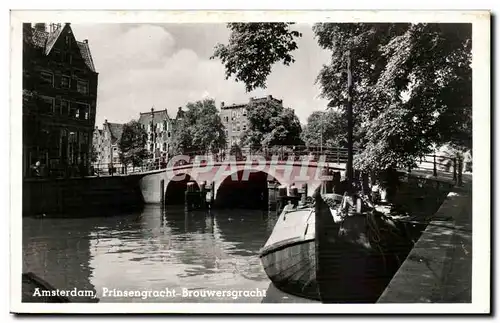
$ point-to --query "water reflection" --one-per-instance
(155, 249)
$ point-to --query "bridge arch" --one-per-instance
(244, 189)
(176, 187)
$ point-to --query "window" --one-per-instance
(65, 82)
(82, 86)
(226, 118)
(164, 146)
(68, 41)
(151, 147)
(64, 107)
(165, 125)
(244, 127)
(47, 104)
(57, 56)
(79, 110)
(244, 112)
(168, 135)
(68, 58)
(47, 78)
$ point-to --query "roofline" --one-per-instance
(165, 110)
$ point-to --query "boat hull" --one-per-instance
(292, 269)
(313, 254)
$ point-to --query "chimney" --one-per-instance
(222, 104)
(269, 97)
(86, 41)
(105, 121)
(40, 26)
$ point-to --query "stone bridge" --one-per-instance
(230, 175)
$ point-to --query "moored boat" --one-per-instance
(317, 253)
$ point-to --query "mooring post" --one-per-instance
(271, 195)
(435, 166)
(162, 191)
(294, 195)
(188, 196)
(203, 195)
(365, 183)
(212, 194)
(460, 169)
(281, 198)
(337, 177)
(455, 169)
(303, 196)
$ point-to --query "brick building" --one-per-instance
(159, 128)
(59, 100)
(105, 142)
(235, 120)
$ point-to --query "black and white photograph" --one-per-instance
(247, 161)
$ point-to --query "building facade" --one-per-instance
(159, 128)
(59, 100)
(106, 146)
(235, 118)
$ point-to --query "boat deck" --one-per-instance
(296, 226)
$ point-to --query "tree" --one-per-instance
(271, 124)
(253, 48)
(412, 83)
(325, 128)
(201, 129)
(132, 144)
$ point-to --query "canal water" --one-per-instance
(187, 255)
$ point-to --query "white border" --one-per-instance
(481, 140)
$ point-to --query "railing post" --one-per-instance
(338, 155)
(460, 169)
(435, 166)
(455, 169)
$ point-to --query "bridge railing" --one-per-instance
(282, 153)
(441, 165)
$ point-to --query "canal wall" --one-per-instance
(76, 196)
(439, 267)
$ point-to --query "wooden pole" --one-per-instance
(350, 125)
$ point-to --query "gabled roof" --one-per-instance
(46, 40)
(116, 131)
(158, 116)
(87, 57)
(51, 40)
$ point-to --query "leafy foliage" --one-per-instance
(412, 86)
(254, 48)
(271, 124)
(328, 128)
(412, 83)
(132, 144)
(200, 129)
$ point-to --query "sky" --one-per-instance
(165, 66)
